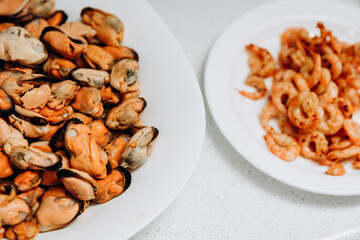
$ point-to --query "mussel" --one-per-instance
(88, 101)
(62, 93)
(36, 26)
(126, 114)
(124, 75)
(34, 159)
(97, 58)
(13, 210)
(80, 184)
(85, 152)
(19, 46)
(27, 180)
(7, 131)
(110, 29)
(57, 212)
(90, 77)
(113, 185)
(68, 45)
(29, 123)
(139, 147)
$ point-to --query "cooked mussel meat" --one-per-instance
(90, 77)
(17, 45)
(34, 159)
(97, 58)
(27, 180)
(113, 185)
(80, 184)
(68, 45)
(62, 93)
(126, 114)
(88, 101)
(84, 151)
(29, 123)
(124, 75)
(13, 210)
(57, 212)
(36, 26)
(139, 147)
(57, 18)
(110, 29)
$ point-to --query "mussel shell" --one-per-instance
(57, 141)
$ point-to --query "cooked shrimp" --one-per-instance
(333, 120)
(345, 107)
(259, 84)
(338, 142)
(286, 126)
(352, 129)
(316, 72)
(304, 112)
(346, 153)
(336, 169)
(282, 145)
(281, 94)
(331, 93)
(313, 145)
(332, 61)
(297, 79)
(261, 62)
(324, 82)
(350, 75)
(267, 113)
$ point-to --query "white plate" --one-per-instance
(238, 117)
(174, 105)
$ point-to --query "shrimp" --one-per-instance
(267, 113)
(316, 72)
(345, 107)
(338, 142)
(331, 93)
(324, 82)
(305, 112)
(282, 145)
(332, 61)
(333, 120)
(297, 79)
(259, 84)
(313, 145)
(352, 129)
(350, 75)
(341, 154)
(336, 169)
(260, 61)
(286, 126)
(281, 94)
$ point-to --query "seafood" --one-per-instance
(17, 45)
(282, 145)
(70, 107)
(259, 84)
(88, 101)
(313, 97)
(109, 28)
(124, 75)
(126, 114)
(68, 45)
(139, 147)
(113, 185)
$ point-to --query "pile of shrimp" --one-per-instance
(314, 94)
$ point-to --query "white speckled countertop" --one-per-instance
(227, 198)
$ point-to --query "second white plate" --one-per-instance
(238, 117)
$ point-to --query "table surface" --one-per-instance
(226, 197)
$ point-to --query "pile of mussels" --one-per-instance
(70, 126)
